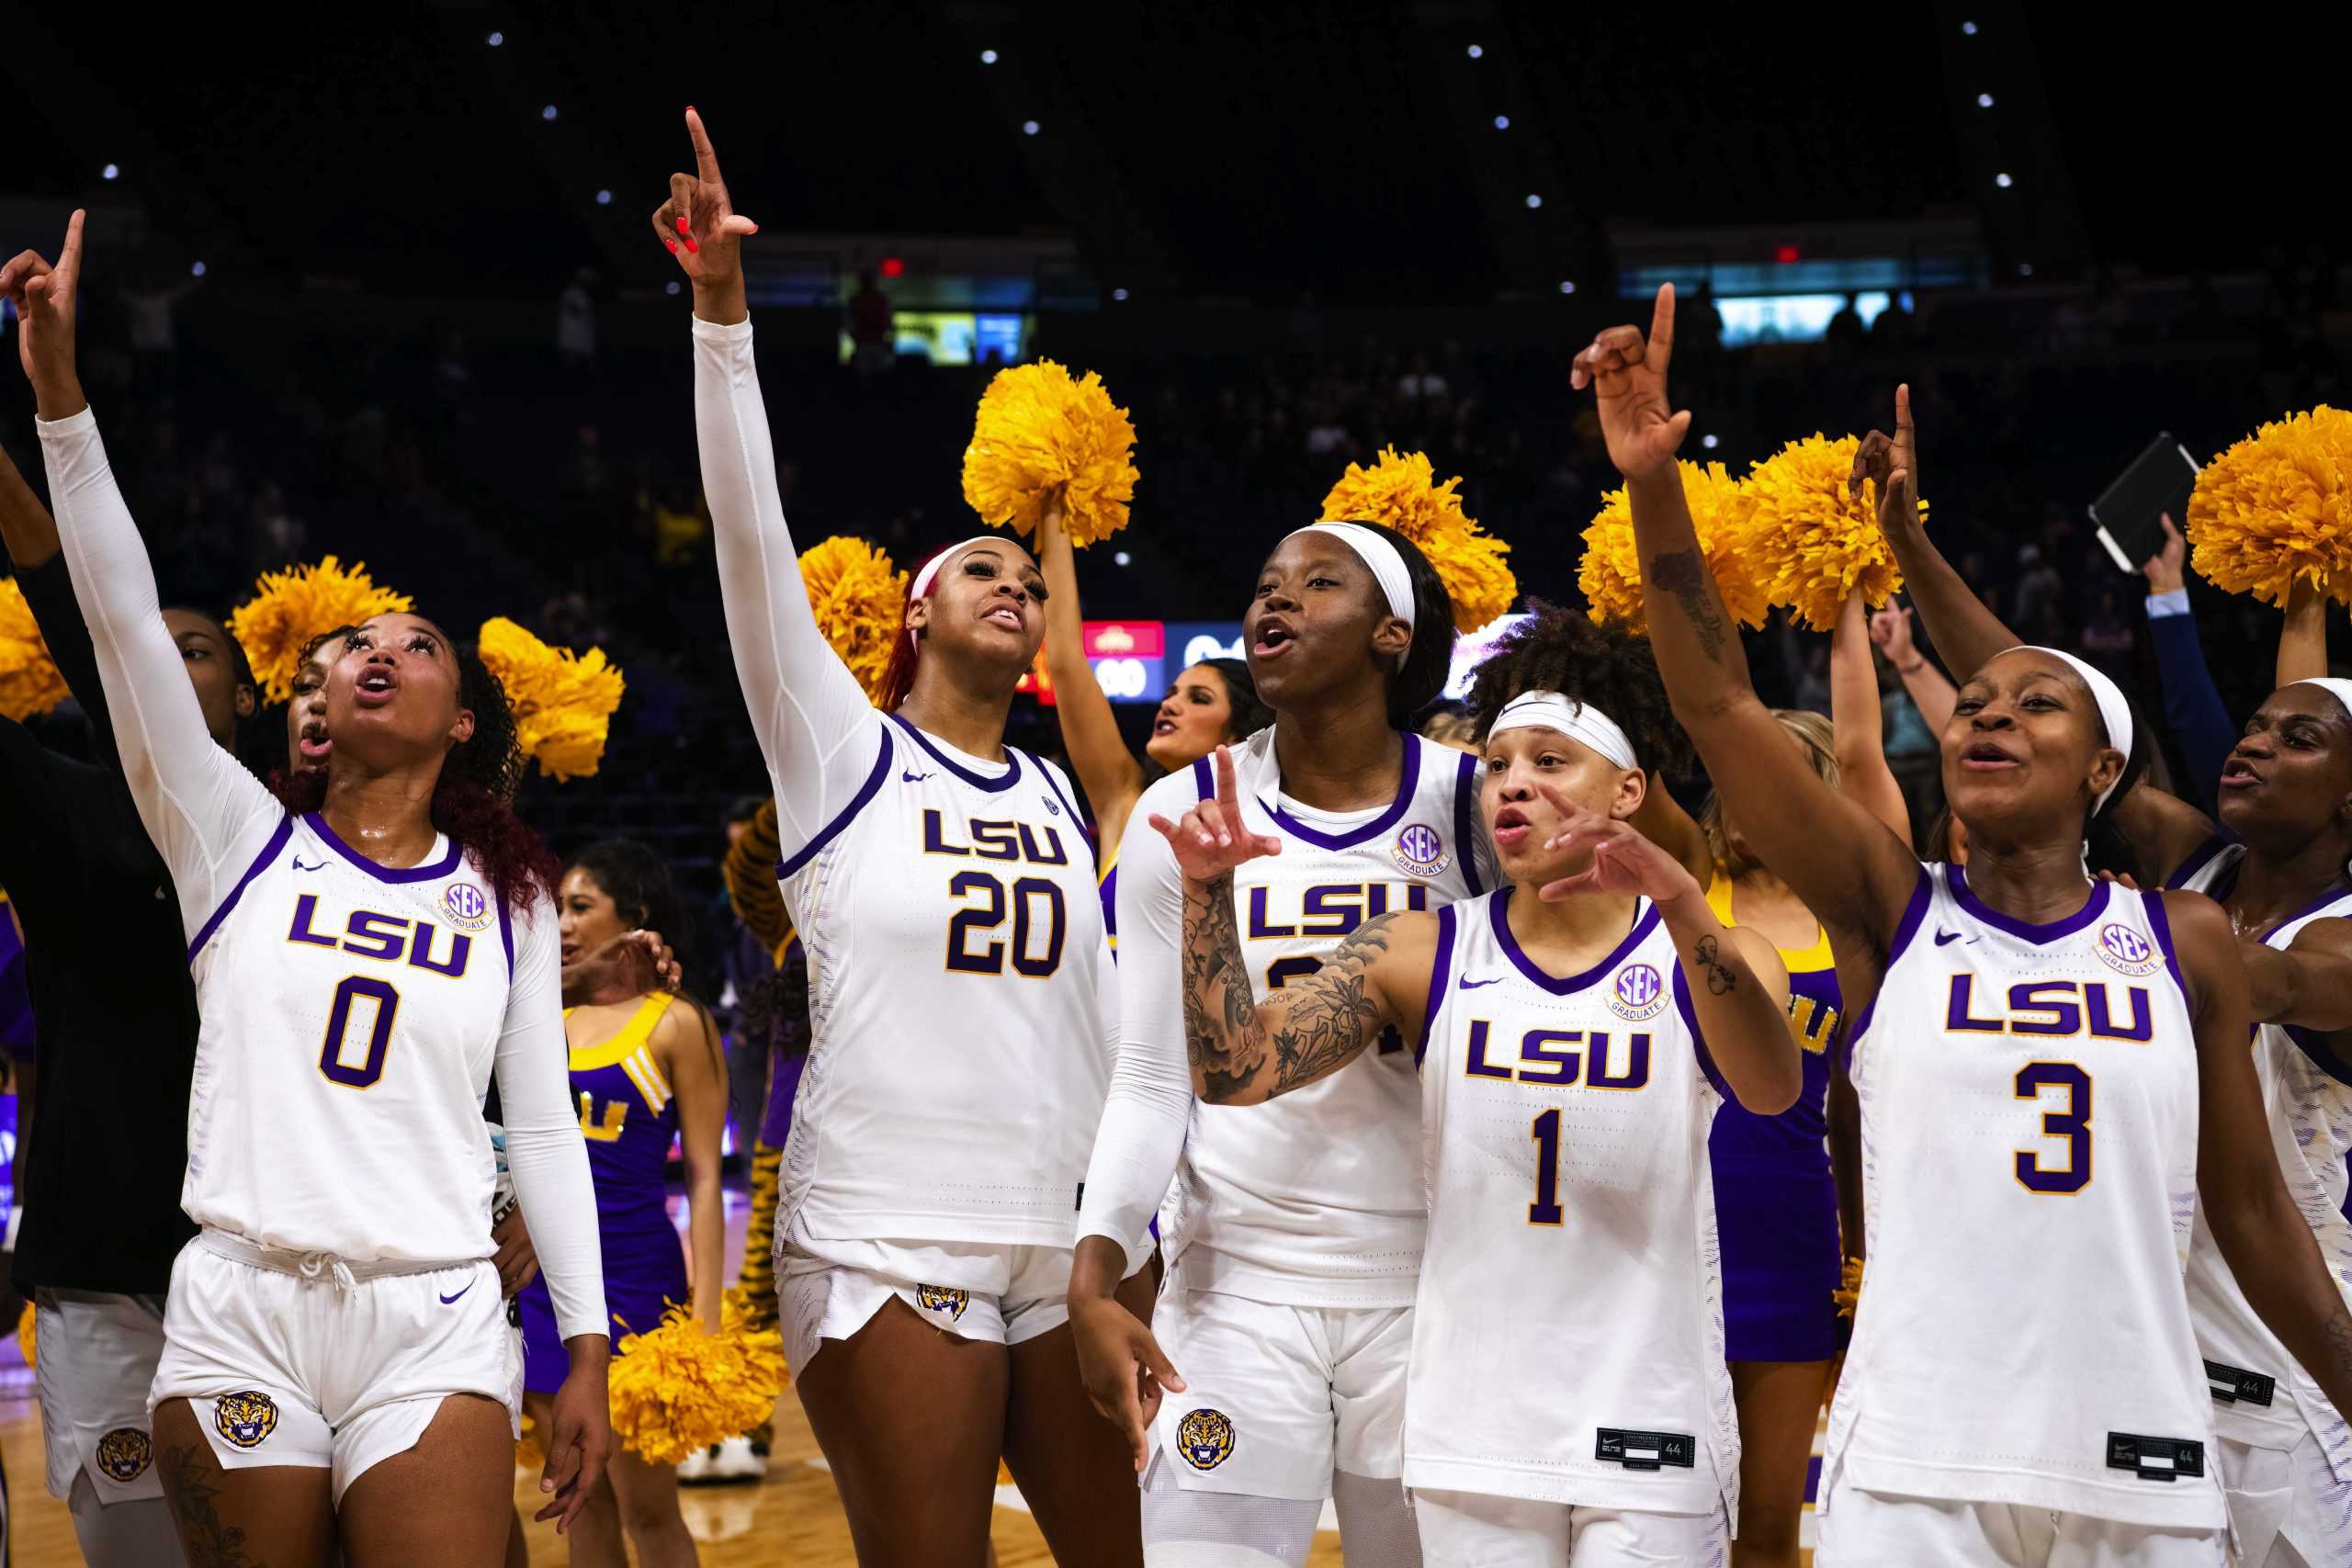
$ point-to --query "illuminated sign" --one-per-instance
(1470, 650)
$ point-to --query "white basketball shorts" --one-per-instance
(1869, 1529)
(333, 1367)
(999, 1294)
(95, 1363)
(1478, 1530)
(2287, 1507)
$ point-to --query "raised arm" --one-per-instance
(1855, 875)
(2263, 1237)
(2193, 707)
(1963, 630)
(1858, 727)
(2302, 641)
(206, 814)
(815, 726)
(1107, 770)
(1930, 689)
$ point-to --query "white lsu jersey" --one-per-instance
(2029, 1105)
(1316, 1199)
(2261, 1394)
(957, 987)
(392, 986)
(1568, 1338)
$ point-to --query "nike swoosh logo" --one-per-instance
(912, 778)
(1469, 985)
(299, 866)
(447, 1300)
(1943, 937)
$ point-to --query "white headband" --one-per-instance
(2113, 710)
(931, 569)
(1578, 721)
(1384, 560)
(2340, 690)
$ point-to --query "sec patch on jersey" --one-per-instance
(1420, 851)
(246, 1418)
(125, 1454)
(1205, 1437)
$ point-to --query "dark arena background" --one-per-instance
(377, 283)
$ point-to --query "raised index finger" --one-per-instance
(69, 258)
(1661, 344)
(706, 160)
(1229, 793)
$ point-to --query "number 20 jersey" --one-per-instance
(1569, 1339)
(1316, 1199)
(958, 979)
(2029, 1105)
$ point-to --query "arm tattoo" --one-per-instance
(188, 1481)
(1685, 575)
(1722, 978)
(1323, 1021)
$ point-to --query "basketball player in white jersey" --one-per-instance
(335, 1342)
(1568, 1399)
(2053, 1073)
(941, 885)
(2276, 864)
(1293, 1236)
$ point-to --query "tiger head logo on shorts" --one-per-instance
(948, 1303)
(246, 1418)
(1205, 1438)
(124, 1453)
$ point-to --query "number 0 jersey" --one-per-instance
(2261, 1394)
(1568, 1338)
(2029, 1099)
(960, 1045)
(1316, 1199)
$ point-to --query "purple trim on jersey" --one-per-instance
(269, 852)
(2160, 922)
(1684, 1005)
(1913, 914)
(1644, 921)
(1465, 822)
(1004, 780)
(2313, 1042)
(2199, 858)
(2332, 895)
(432, 873)
(1078, 823)
(1203, 784)
(506, 934)
(1956, 879)
(1408, 781)
(1437, 982)
(830, 830)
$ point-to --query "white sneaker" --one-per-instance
(695, 1469)
(736, 1459)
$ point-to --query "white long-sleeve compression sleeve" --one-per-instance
(545, 1152)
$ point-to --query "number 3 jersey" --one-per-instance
(2029, 1103)
(351, 1015)
(1316, 1199)
(957, 975)
(1569, 1340)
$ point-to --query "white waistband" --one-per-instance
(319, 1265)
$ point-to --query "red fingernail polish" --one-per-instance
(692, 249)
(681, 226)
(671, 244)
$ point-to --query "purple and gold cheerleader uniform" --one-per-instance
(1776, 1205)
(630, 1121)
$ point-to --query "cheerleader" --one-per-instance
(2277, 863)
(1575, 1029)
(2063, 1062)
(1209, 705)
(646, 1074)
(941, 883)
(1293, 1236)
(1788, 1187)
(334, 1340)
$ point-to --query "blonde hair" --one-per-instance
(1817, 737)
(1455, 729)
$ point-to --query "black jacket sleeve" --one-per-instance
(49, 590)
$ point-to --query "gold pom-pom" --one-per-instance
(1402, 492)
(677, 1388)
(563, 701)
(293, 606)
(1848, 1293)
(29, 682)
(1809, 544)
(1611, 573)
(1038, 429)
(860, 603)
(2278, 506)
(27, 1333)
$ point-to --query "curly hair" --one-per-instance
(473, 800)
(1559, 650)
